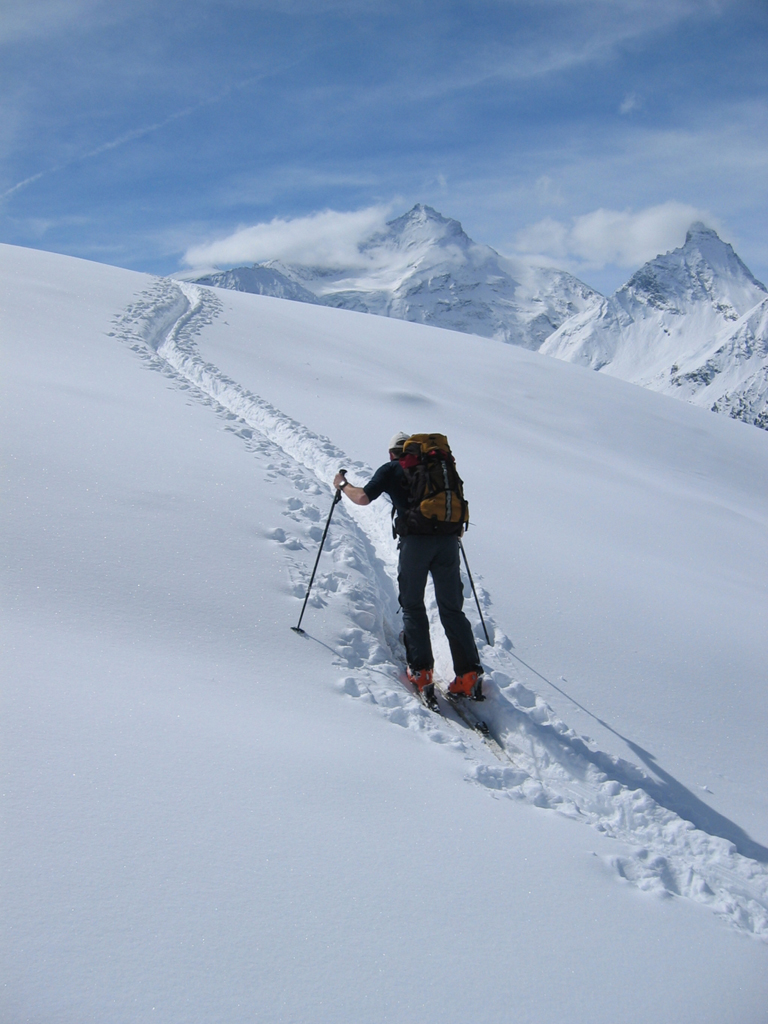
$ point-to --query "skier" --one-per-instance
(420, 555)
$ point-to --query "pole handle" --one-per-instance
(337, 496)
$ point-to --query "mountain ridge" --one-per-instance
(686, 324)
(423, 267)
(677, 326)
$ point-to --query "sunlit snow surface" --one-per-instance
(214, 819)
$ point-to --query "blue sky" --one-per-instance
(586, 132)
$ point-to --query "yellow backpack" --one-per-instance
(436, 489)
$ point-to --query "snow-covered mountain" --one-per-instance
(692, 323)
(261, 279)
(425, 268)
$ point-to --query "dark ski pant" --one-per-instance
(420, 556)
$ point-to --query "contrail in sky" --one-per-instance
(131, 136)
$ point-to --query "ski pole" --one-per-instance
(336, 499)
(477, 602)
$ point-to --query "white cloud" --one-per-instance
(547, 237)
(630, 102)
(326, 239)
(579, 32)
(620, 238)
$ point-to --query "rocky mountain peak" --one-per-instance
(692, 323)
(422, 224)
(699, 230)
(704, 269)
(704, 244)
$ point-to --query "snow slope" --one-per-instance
(692, 324)
(209, 818)
(426, 269)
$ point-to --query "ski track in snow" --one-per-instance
(535, 757)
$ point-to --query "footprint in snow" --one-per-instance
(281, 537)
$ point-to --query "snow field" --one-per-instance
(544, 761)
(241, 843)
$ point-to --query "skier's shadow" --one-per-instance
(667, 792)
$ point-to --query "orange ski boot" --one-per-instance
(422, 680)
(468, 685)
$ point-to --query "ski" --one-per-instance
(464, 707)
(430, 705)
(465, 713)
(470, 716)
(456, 703)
